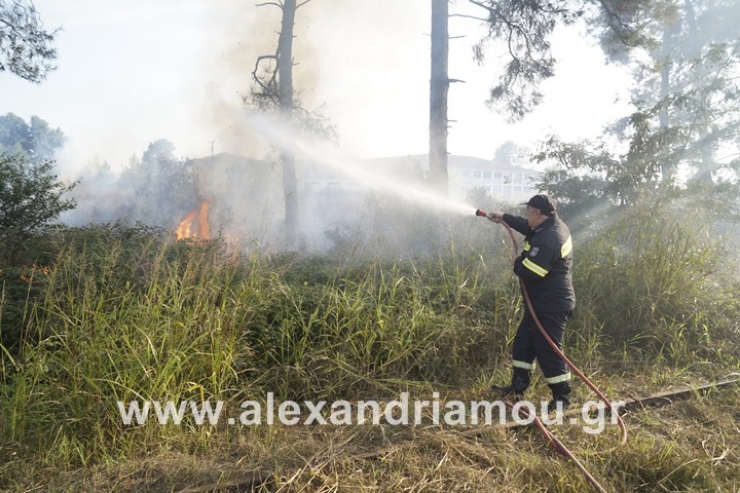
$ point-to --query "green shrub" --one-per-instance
(657, 285)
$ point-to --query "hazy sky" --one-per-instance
(134, 71)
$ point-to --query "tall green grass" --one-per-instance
(127, 314)
(123, 316)
(652, 285)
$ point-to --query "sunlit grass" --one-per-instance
(124, 314)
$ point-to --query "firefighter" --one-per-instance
(545, 265)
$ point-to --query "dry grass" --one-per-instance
(687, 446)
(125, 316)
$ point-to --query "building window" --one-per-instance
(487, 175)
(476, 173)
(497, 175)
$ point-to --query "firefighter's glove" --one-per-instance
(495, 216)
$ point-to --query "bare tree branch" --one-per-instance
(469, 17)
(267, 85)
(278, 5)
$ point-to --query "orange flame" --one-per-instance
(195, 225)
(205, 231)
(31, 270)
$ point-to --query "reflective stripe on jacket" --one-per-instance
(546, 263)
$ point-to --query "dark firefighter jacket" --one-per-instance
(545, 264)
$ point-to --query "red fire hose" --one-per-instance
(556, 444)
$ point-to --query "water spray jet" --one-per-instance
(288, 138)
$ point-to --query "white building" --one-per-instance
(505, 182)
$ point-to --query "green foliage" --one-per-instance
(120, 315)
(25, 275)
(35, 139)
(686, 109)
(25, 47)
(623, 27)
(30, 196)
(125, 313)
(163, 187)
(526, 27)
(159, 189)
(660, 283)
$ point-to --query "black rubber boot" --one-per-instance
(519, 383)
(560, 397)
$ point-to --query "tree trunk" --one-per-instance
(439, 86)
(665, 81)
(285, 98)
(706, 164)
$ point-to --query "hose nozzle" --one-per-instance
(480, 213)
